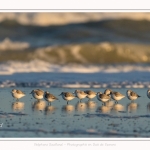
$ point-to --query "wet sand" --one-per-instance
(30, 118)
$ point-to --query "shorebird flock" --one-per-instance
(104, 97)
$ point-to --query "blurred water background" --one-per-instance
(73, 50)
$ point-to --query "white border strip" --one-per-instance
(75, 10)
(74, 139)
(74, 4)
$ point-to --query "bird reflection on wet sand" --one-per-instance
(39, 105)
(148, 107)
(118, 107)
(81, 107)
(132, 107)
(103, 109)
(50, 109)
(91, 105)
(110, 104)
(17, 105)
(68, 108)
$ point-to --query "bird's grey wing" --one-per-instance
(69, 94)
(134, 94)
(83, 93)
(53, 97)
(117, 94)
(19, 92)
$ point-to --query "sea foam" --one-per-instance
(11, 67)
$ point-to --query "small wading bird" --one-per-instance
(17, 94)
(148, 94)
(49, 97)
(67, 96)
(80, 94)
(103, 97)
(116, 96)
(107, 91)
(132, 95)
(37, 94)
(90, 94)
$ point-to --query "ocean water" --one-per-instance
(43, 74)
(29, 118)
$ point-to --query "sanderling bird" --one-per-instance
(90, 94)
(80, 94)
(107, 91)
(37, 94)
(148, 93)
(103, 97)
(49, 97)
(132, 95)
(67, 96)
(17, 94)
(116, 96)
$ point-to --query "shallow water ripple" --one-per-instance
(90, 118)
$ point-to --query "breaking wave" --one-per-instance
(12, 67)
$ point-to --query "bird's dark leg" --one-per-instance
(67, 102)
